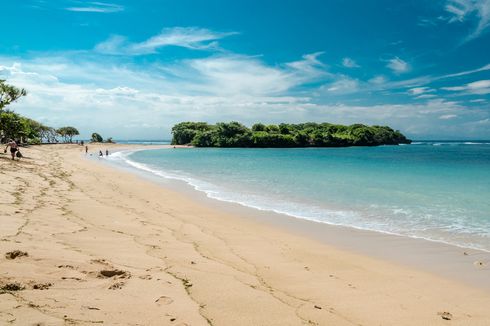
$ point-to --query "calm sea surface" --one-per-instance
(433, 190)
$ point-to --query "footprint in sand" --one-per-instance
(117, 286)
(479, 264)
(16, 253)
(114, 272)
(100, 261)
(164, 300)
(445, 315)
(41, 286)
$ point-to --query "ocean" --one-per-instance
(439, 191)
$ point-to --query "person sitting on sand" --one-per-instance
(100, 153)
(13, 148)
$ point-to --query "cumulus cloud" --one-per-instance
(186, 37)
(398, 66)
(136, 98)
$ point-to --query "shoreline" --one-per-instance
(445, 259)
(147, 172)
(107, 246)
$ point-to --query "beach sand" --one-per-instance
(103, 246)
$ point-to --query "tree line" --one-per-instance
(310, 134)
(25, 130)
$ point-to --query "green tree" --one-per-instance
(204, 139)
(9, 94)
(67, 133)
(259, 127)
(96, 138)
(183, 133)
(12, 125)
(234, 134)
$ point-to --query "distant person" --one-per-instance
(101, 154)
(86, 150)
(106, 152)
(82, 142)
(13, 148)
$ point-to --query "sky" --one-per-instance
(131, 69)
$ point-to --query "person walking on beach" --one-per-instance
(13, 148)
(106, 152)
(86, 150)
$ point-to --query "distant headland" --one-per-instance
(310, 134)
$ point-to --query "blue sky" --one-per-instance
(132, 69)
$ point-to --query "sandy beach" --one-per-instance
(83, 243)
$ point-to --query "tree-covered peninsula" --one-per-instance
(234, 134)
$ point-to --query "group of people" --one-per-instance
(101, 154)
(15, 152)
(14, 149)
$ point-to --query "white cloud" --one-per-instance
(309, 68)
(349, 63)
(237, 75)
(377, 80)
(99, 7)
(126, 101)
(224, 87)
(480, 87)
(462, 10)
(467, 72)
(343, 85)
(448, 116)
(186, 37)
(398, 65)
(420, 90)
(426, 96)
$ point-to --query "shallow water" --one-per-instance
(434, 190)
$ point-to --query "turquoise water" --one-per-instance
(434, 190)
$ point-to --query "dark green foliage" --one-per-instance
(259, 127)
(12, 125)
(234, 134)
(96, 138)
(184, 132)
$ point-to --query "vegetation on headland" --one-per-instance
(234, 134)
